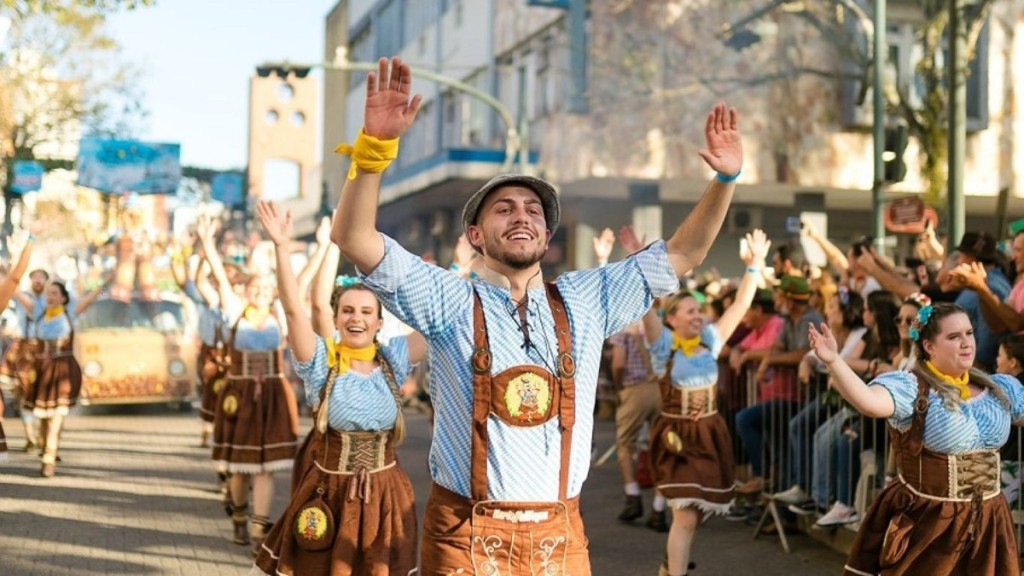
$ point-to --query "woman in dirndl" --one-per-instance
(255, 424)
(690, 444)
(54, 378)
(18, 244)
(944, 514)
(353, 511)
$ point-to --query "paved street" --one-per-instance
(135, 495)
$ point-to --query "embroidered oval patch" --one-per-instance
(528, 397)
(218, 385)
(314, 526)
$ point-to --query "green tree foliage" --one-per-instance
(21, 9)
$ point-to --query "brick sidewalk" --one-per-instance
(136, 495)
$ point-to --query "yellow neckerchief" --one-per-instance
(342, 356)
(256, 316)
(51, 313)
(687, 345)
(960, 383)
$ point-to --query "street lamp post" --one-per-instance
(513, 141)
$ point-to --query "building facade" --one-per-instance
(613, 105)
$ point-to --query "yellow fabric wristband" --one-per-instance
(369, 153)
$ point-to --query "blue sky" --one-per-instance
(198, 56)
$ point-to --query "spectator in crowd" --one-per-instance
(762, 426)
(845, 315)
(977, 250)
(1001, 315)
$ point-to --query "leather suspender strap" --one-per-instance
(567, 383)
(481, 362)
(915, 438)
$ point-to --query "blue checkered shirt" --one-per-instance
(523, 463)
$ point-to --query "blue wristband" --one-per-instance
(753, 270)
(725, 179)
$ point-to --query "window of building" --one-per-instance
(905, 52)
(542, 100)
(389, 28)
(362, 51)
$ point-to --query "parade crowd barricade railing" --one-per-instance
(812, 439)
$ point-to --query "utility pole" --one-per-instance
(878, 124)
(957, 121)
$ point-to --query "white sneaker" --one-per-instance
(795, 495)
(839, 515)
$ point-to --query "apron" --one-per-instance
(480, 536)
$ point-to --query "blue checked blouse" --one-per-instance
(698, 370)
(522, 463)
(249, 337)
(358, 401)
(983, 422)
(54, 329)
(210, 319)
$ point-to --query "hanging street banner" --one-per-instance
(226, 187)
(28, 176)
(119, 166)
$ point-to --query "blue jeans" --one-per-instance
(826, 477)
(801, 430)
(761, 428)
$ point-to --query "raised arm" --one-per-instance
(758, 246)
(203, 285)
(871, 401)
(19, 243)
(690, 243)
(312, 267)
(901, 287)
(832, 252)
(323, 286)
(206, 240)
(389, 112)
(999, 315)
(83, 303)
(279, 229)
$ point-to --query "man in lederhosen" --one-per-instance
(513, 358)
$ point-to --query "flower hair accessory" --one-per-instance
(919, 299)
(919, 323)
(344, 281)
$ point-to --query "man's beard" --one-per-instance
(515, 260)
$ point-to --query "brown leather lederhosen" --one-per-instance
(481, 536)
(942, 515)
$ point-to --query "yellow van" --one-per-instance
(138, 352)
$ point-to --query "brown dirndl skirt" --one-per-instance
(939, 541)
(212, 377)
(255, 426)
(9, 376)
(460, 537)
(304, 459)
(692, 463)
(375, 535)
(56, 386)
